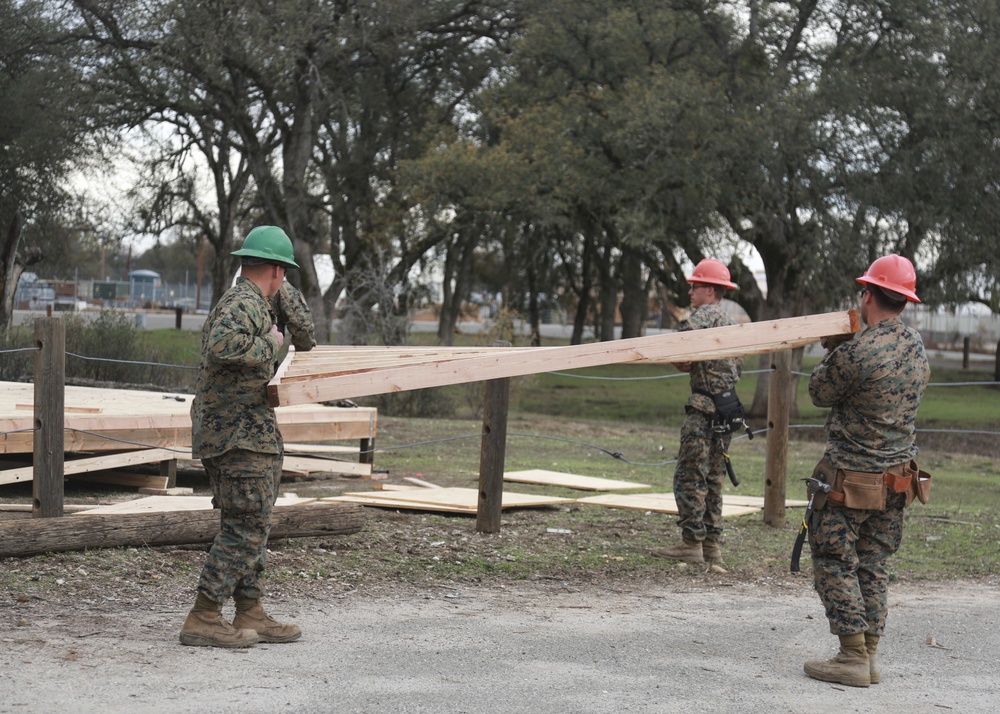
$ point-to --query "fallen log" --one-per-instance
(79, 532)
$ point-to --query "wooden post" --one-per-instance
(779, 401)
(168, 470)
(178, 314)
(491, 461)
(966, 344)
(50, 399)
(366, 452)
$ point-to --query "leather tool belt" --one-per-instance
(866, 490)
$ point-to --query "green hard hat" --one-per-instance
(268, 243)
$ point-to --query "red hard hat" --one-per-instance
(710, 271)
(894, 273)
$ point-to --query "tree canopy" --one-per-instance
(568, 155)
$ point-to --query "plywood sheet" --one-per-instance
(656, 502)
(566, 480)
(467, 498)
(758, 501)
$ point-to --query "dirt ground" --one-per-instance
(418, 614)
(661, 644)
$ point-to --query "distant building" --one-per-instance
(145, 288)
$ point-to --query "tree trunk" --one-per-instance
(996, 367)
(609, 297)
(10, 269)
(633, 294)
(583, 291)
(140, 530)
(458, 272)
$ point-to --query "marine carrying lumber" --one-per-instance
(329, 372)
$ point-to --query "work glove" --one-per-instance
(832, 342)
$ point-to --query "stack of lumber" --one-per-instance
(129, 427)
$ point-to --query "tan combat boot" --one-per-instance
(204, 627)
(871, 644)
(250, 614)
(712, 550)
(850, 666)
(689, 551)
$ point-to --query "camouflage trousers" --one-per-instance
(698, 478)
(850, 548)
(244, 488)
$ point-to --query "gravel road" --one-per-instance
(531, 647)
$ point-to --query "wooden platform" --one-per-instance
(155, 427)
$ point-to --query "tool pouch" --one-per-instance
(921, 483)
(729, 413)
(902, 479)
(862, 490)
(909, 479)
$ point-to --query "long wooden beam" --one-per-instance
(358, 380)
(98, 463)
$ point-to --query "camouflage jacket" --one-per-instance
(230, 409)
(711, 376)
(292, 311)
(873, 384)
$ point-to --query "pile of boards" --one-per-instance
(108, 431)
(465, 500)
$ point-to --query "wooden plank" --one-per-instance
(418, 482)
(341, 359)
(28, 507)
(583, 483)
(113, 432)
(67, 409)
(320, 449)
(307, 465)
(77, 532)
(461, 497)
(656, 502)
(139, 481)
(406, 505)
(499, 362)
(163, 504)
(758, 501)
(98, 463)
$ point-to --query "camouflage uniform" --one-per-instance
(701, 466)
(292, 311)
(874, 385)
(235, 434)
